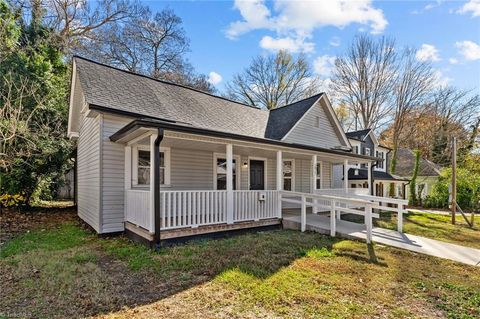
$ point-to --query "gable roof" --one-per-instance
(108, 89)
(282, 119)
(358, 135)
(377, 175)
(406, 162)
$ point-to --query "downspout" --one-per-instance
(156, 171)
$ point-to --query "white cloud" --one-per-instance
(334, 42)
(298, 19)
(290, 44)
(323, 65)
(453, 61)
(470, 50)
(472, 6)
(214, 78)
(440, 79)
(427, 52)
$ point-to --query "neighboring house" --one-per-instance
(364, 142)
(427, 176)
(160, 160)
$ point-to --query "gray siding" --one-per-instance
(191, 169)
(113, 171)
(306, 132)
(88, 157)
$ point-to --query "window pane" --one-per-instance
(143, 158)
(318, 184)
(318, 169)
(287, 168)
(162, 175)
(222, 174)
(143, 175)
(162, 159)
(287, 184)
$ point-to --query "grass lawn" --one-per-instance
(435, 226)
(66, 271)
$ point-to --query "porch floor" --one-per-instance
(321, 223)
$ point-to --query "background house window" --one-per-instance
(288, 175)
(367, 151)
(380, 163)
(355, 149)
(318, 180)
(221, 173)
(143, 168)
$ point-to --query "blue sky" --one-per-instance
(225, 35)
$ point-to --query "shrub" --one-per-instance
(7, 200)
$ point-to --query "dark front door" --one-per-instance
(257, 175)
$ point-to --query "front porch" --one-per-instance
(208, 185)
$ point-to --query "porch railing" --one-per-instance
(255, 205)
(342, 191)
(137, 208)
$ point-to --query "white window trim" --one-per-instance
(166, 152)
(293, 173)
(224, 156)
(265, 170)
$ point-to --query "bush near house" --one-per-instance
(468, 189)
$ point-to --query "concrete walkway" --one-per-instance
(321, 224)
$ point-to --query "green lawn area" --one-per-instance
(435, 226)
(66, 271)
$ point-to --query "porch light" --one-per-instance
(245, 165)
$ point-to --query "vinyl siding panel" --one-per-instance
(88, 182)
(191, 169)
(306, 132)
(113, 171)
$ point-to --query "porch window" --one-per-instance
(143, 167)
(288, 175)
(221, 173)
(318, 176)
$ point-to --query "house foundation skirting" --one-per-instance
(168, 237)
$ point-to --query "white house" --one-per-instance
(160, 160)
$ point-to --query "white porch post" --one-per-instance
(345, 175)
(153, 137)
(314, 182)
(279, 182)
(370, 186)
(229, 152)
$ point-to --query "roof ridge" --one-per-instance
(166, 82)
(307, 98)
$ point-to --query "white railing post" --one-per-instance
(229, 152)
(304, 214)
(400, 218)
(333, 226)
(345, 175)
(369, 178)
(279, 183)
(368, 222)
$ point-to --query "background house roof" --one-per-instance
(363, 175)
(406, 162)
(119, 90)
(358, 135)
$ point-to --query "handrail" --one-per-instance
(329, 197)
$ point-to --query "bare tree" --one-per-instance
(413, 83)
(272, 81)
(364, 78)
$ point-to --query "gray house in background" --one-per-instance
(159, 160)
(364, 142)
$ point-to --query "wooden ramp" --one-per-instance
(321, 223)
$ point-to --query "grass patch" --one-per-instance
(67, 272)
(435, 226)
(65, 236)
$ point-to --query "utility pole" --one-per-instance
(454, 179)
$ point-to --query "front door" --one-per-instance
(257, 175)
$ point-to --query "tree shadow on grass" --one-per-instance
(97, 276)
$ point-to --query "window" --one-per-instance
(318, 180)
(317, 121)
(380, 163)
(142, 164)
(355, 149)
(221, 173)
(288, 175)
(367, 151)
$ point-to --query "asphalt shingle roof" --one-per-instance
(121, 90)
(358, 135)
(406, 162)
(363, 174)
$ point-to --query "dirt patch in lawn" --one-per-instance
(14, 222)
